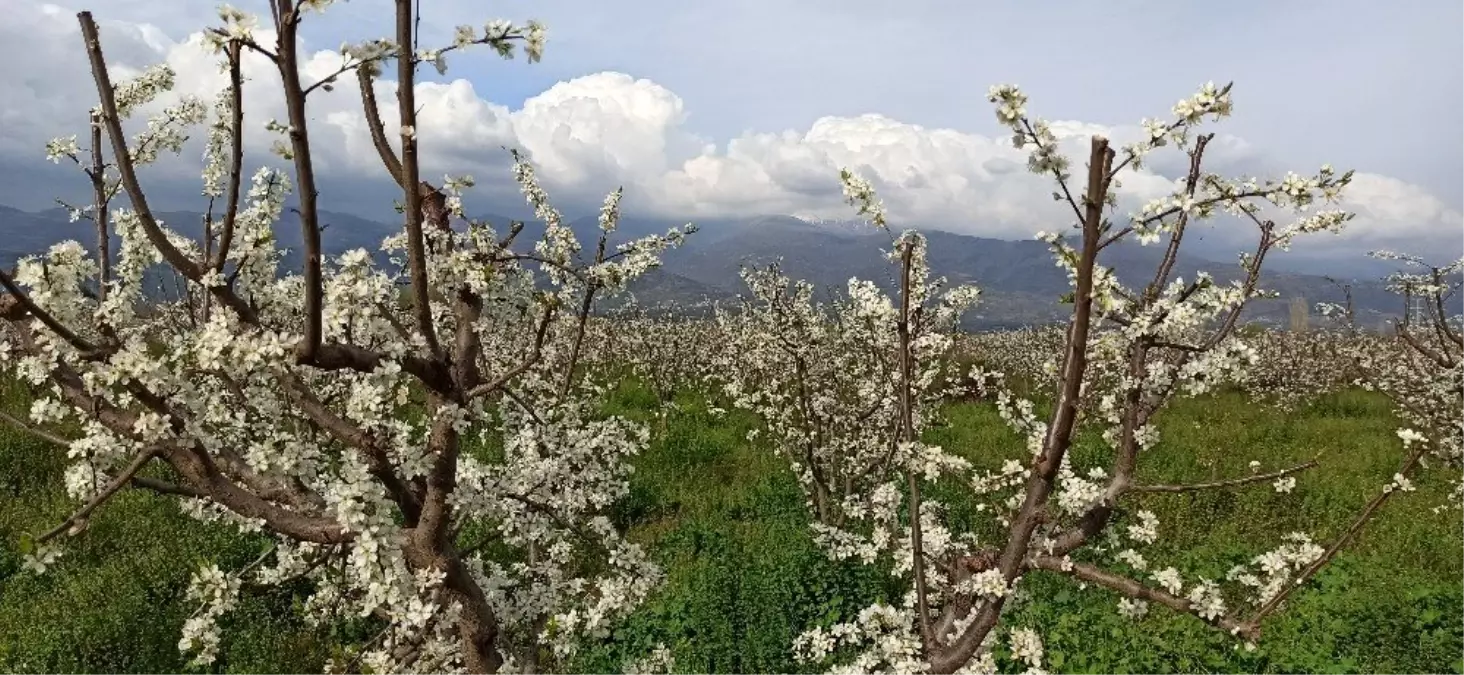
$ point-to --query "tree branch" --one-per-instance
(236, 156)
(524, 365)
(38, 433)
(410, 177)
(378, 130)
(289, 67)
(78, 519)
(127, 171)
(24, 301)
(1130, 588)
(907, 435)
(1065, 413)
(1253, 623)
(1221, 484)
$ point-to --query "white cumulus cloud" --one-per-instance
(592, 133)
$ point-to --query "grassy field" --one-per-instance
(727, 521)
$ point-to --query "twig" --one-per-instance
(1234, 482)
(78, 518)
(524, 365)
(236, 156)
(38, 433)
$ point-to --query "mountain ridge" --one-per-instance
(1020, 283)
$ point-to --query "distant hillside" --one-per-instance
(1020, 283)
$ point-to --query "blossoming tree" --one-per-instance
(843, 389)
(1421, 370)
(1126, 354)
(429, 459)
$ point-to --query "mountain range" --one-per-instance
(1021, 285)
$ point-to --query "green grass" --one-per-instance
(727, 521)
(116, 600)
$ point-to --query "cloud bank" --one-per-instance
(591, 133)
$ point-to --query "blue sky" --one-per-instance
(1355, 82)
(733, 108)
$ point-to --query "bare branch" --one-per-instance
(127, 170)
(164, 487)
(77, 521)
(1059, 435)
(122, 155)
(42, 434)
(236, 157)
(582, 318)
(907, 435)
(409, 177)
(100, 200)
(1171, 254)
(1222, 484)
(289, 67)
(378, 130)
